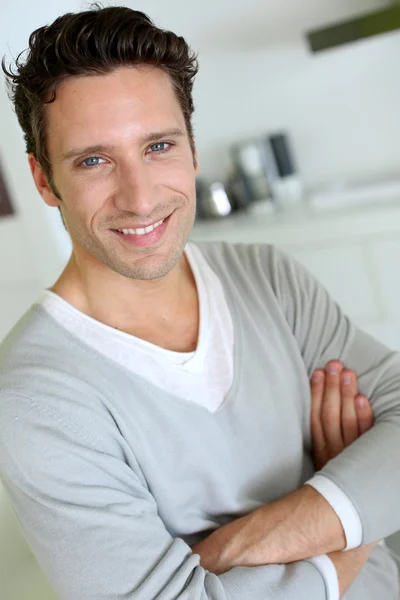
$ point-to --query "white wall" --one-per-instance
(30, 255)
(341, 107)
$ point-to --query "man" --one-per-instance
(155, 405)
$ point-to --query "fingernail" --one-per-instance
(360, 402)
(333, 369)
(317, 376)
(347, 378)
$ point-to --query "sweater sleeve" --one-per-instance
(367, 471)
(343, 507)
(93, 524)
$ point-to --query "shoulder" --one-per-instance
(265, 276)
(239, 262)
(42, 363)
(234, 254)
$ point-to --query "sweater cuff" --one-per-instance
(343, 507)
(328, 571)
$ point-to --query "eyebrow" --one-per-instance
(147, 139)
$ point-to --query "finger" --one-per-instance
(317, 433)
(349, 390)
(365, 414)
(332, 408)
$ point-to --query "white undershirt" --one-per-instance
(204, 376)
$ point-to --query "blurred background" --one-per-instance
(297, 130)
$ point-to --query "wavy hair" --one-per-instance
(93, 42)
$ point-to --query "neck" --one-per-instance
(151, 310)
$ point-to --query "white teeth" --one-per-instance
(141, 230)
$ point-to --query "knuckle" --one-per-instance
(367, 419)
(330, 416)
(314, 421)
(350, 427)
(333, 382)
(349, 420)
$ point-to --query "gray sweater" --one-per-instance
(112, 479)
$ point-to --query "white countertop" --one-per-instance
(303, 223)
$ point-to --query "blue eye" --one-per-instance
(90, 161)
(159, 147)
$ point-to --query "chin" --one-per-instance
(147, 268)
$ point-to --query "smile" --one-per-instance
(141, 230)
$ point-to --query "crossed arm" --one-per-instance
(302, 524)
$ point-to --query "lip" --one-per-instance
(140, 226)
(145, 240)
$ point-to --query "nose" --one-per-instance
(135, 192)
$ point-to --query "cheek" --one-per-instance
(84, 197)
(80, 213)
(180, 177)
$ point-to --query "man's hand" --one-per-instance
(263, 536)
(339, 414)
(349, 564)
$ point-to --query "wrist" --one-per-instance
(300, 525)
(349, 564)
(343, 507)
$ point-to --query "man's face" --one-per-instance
(121, 160)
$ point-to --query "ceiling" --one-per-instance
(208, 25)
(225, 24)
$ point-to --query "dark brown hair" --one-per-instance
(93, 42)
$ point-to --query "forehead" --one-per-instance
(126, 103)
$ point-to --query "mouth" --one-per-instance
(141, 230)
(143, 236)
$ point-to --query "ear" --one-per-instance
(41, 182)
(196, 163)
